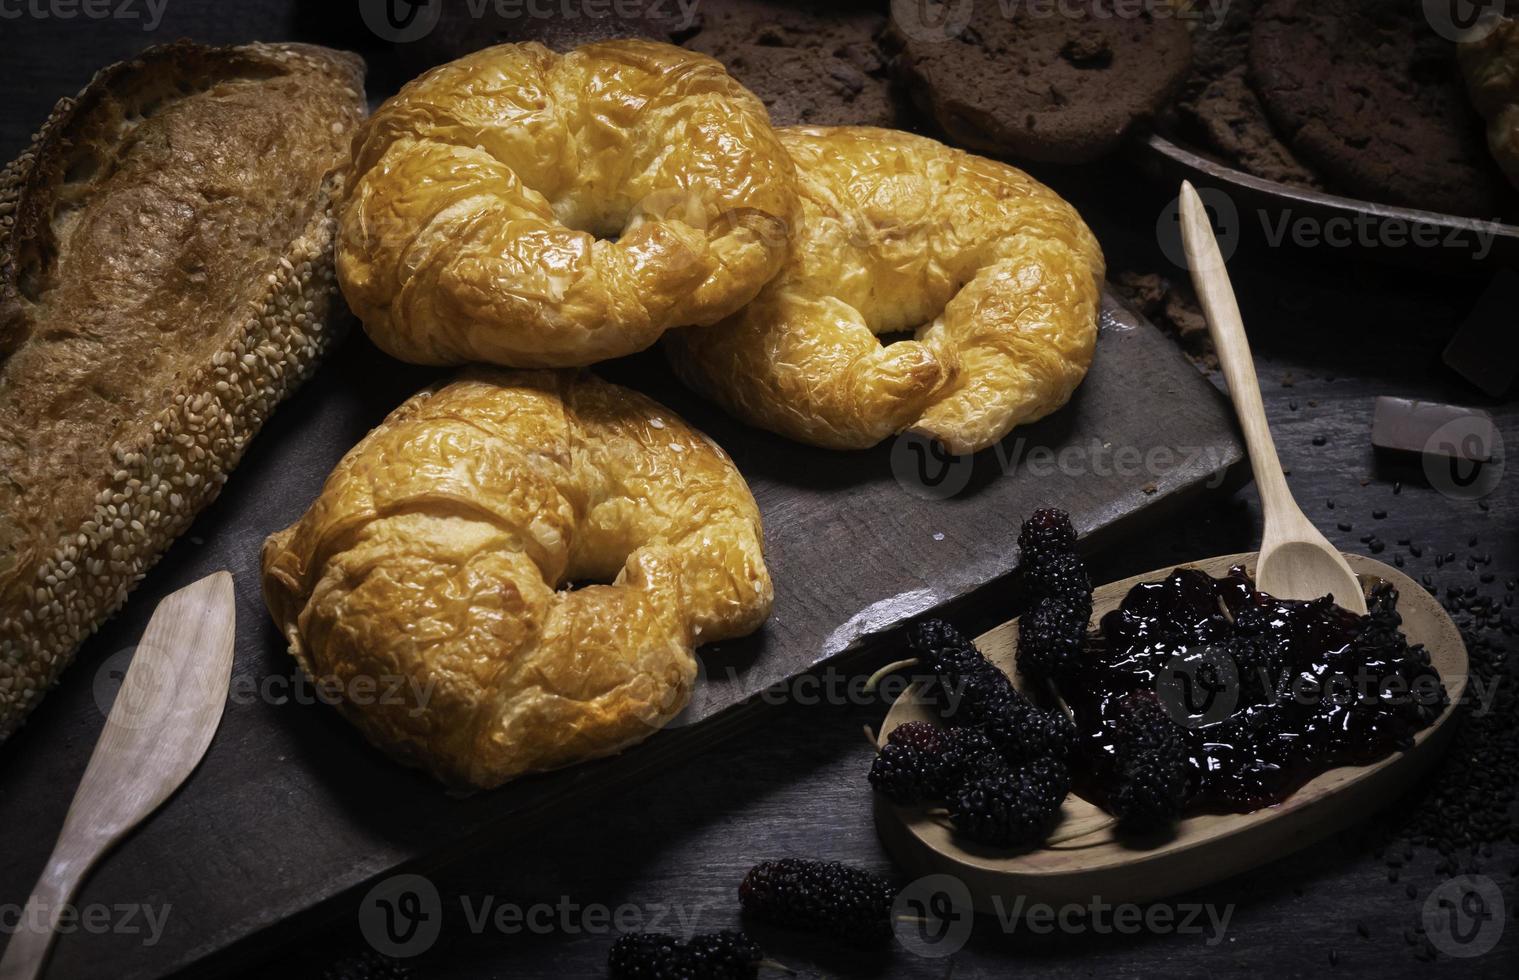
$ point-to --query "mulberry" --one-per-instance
(1012, 808)
(974, 692)
(1052, 632)
(820, 896)
(1061, 577)
(1021, 730)
(1052, 640)
(368, 965)
(1152, 770)
(907, 774)
(920, 735)
(918, 766)
(655, 956)
(1047, 531)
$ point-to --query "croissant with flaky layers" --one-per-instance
(430, 585)
(998, 277)
(530, 209)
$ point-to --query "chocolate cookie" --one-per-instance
(1039, 80)
(1370, 95)
(1218, 107)
(807, 67)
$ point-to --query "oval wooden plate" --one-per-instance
(1205, 847)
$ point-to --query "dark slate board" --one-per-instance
(291, 809)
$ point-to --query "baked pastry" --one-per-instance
(439, 561)
(1040, 84)
(998, 277)
(165, 275)
(1371, 98)
(531, 209)
(1490, 63)
(821, 68)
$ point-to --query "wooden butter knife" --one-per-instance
(159, 728)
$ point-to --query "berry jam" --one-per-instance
(1265, 693)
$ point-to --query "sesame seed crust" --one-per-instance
(72, 549)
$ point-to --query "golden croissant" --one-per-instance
(997, 277)
(430, 584)
(530, 209)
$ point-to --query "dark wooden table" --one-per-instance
(1330, 329)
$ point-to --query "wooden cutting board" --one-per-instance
(291, 811)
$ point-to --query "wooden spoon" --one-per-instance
(1296, 560)
(160, 725)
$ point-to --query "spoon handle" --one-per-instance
(1228, 332)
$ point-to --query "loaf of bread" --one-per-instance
(165, 279)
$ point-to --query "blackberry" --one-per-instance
(1012, 807)
(368, 965)
(1047, 531)
(820, 896)
(1152, 770)
(656, 956)
(1052, 640)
